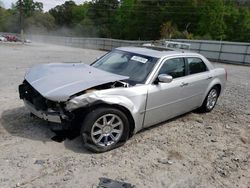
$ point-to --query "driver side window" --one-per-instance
(173, 67)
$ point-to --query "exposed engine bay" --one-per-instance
(28, 93)
(110, 85)
(115, 84)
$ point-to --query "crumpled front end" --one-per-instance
(59, 81)
(117, 94)
(47, 87)
(41, 107)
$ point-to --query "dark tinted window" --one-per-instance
(173, 67)
(196, 65)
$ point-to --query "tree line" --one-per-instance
(134, 19)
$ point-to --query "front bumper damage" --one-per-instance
(43, 108)
(51, 116)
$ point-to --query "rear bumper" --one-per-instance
(51, 116)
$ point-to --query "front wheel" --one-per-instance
(210, 101)
(104, 129)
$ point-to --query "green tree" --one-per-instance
(86, 28)
(40, 23)
(135, 19)
(167, 30)
(238, 23)
(63, 14)
(212, 19)
(3, 15)
(150, 19)
(185, 14)
(242, 32)
(124, 21)
(79, 12)
(139, 19)
(29, 7)
(102, 13)
(9, 20)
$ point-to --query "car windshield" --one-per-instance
(136, 67)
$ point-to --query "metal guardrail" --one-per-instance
(229, 52)
(90, 43)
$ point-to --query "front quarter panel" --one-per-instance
(132, 98)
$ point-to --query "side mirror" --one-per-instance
(165, 78)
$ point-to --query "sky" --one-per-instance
(47, 4)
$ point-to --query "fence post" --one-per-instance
(245, 56)
(199, 50)
(219, 58)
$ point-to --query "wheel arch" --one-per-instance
(219, 87)
(215, 83)
(82, 112)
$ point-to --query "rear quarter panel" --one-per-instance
(219, 77)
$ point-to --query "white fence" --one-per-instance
(233, 52)
(230, 52)
(91, 43)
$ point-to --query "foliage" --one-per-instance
(102, 12)
(212, 19)
(135, 19)
(8, 20)
(40, 23)
(168, 29)
(29, 7)
(63, 14)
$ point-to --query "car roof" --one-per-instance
(154, 51)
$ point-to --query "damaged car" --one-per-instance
(126, 90)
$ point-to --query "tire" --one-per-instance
(210, 100)
(104, 129)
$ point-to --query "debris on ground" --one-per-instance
(109, 183)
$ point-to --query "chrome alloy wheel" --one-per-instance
(107, 130)
(212, 99)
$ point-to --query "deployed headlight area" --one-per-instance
(89, 96)
(41, 107)
(60, 112)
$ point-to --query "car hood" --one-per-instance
(59, 81)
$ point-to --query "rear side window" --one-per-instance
(173, 67)
(196, 65)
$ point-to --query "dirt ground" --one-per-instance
(194, 150)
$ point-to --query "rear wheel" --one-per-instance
(105, 129)
(210, 101)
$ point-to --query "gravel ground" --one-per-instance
(194, 150)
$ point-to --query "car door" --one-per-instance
(196, 82)
(165, 100)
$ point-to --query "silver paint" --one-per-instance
(58, 81)
(147, 103)
(106, 131)
(212, 98)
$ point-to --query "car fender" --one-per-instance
(89, 99)
(215, 81)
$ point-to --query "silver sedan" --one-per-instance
(126, 90)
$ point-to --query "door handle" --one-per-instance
(209, 78)
(184, 84)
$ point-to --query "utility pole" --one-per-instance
(21, 20)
